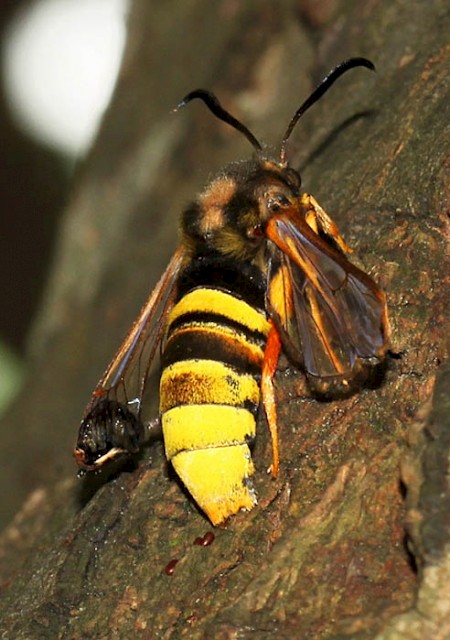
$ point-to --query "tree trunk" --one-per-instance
(352, 539)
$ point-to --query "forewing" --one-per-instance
(112, 422)
(331, 314)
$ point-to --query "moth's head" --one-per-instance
(229, 216)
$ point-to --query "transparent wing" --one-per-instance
(331, 315)
(112, 423)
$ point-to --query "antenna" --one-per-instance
(318, 92)
(214, 105)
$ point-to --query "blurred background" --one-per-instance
(59, 63)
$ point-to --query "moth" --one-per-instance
(261, 269)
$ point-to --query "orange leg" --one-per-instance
(271, 356)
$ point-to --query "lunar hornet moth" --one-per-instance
(261, 268)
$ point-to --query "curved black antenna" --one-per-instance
(318, 92)
(214, 105)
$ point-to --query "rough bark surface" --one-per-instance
(352, 540)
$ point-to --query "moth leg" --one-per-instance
(271, 357)
(319, 220)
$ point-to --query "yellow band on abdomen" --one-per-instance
(206, 382)
(218, 479)
(215, 301)
(201, 426)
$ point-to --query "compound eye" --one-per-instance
(277, 202)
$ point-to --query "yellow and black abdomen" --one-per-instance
(209, 396)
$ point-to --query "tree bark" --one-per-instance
(352, 539)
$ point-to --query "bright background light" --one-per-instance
(60, 63)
